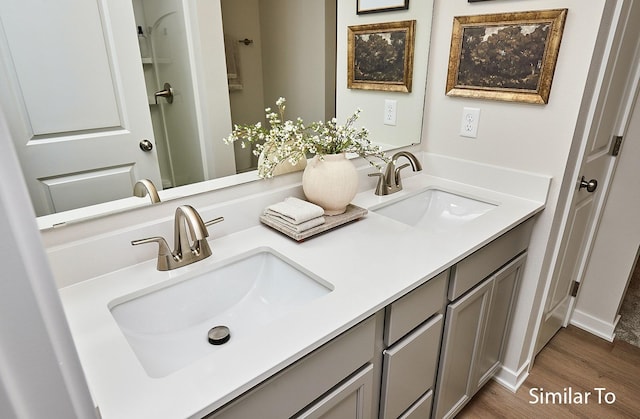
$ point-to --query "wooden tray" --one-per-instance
(352, 213)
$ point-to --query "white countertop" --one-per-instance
(370, 262)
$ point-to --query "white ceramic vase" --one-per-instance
(330, 182)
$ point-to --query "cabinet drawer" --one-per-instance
(476, 267)
(409, 368)
(349, 400)
(297, 386)
(420, 409)
(406, 313)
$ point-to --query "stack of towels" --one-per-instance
(295, 215)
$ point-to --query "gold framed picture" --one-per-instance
(505, 56)
(380, 56)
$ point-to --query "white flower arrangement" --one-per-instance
(292, 141)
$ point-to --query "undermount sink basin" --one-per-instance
(434, 209)
(168, 327)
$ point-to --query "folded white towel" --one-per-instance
(294, 210)
(296, 228)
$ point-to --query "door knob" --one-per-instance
(166, 93)
(590, 185)
(146, 145)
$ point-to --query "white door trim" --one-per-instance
(47, 380)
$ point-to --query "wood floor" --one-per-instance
(576, 360)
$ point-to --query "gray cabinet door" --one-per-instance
(505, 285)
(463, 329)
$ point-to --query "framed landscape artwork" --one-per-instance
(506, 56)
(380, 56)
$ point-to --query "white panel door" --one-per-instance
(610, 116)
(76, 100)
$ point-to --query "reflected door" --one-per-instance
(75, 100)
(174, 117)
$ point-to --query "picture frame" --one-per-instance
(380, 56)
(376, 6)
(505, 56)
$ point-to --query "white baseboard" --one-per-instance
(510, 379)
(602, 329)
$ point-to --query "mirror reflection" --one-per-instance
(266, 57)
(279, 48)
(164, 49)
(115, 94)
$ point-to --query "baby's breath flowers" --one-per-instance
(283, 141)
(330, 138)
(292, 141)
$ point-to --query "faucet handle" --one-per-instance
(381, 188)
(165, 257)
(163, 246)
(214, 221)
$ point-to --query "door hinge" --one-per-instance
(574, 288)
(616, 144)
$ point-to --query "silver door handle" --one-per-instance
(590, 185)
(146, 145)
(166, 93)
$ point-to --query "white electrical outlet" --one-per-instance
(390, 109)
(469, 123)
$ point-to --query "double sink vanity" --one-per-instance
(403, 313)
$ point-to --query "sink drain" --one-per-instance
(219, 335)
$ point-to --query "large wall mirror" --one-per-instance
(101, 94)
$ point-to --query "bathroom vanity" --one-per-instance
(407, 320)
(397, 349)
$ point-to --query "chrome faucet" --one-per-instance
(146, 187)
(190, 240)
(390, 181)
